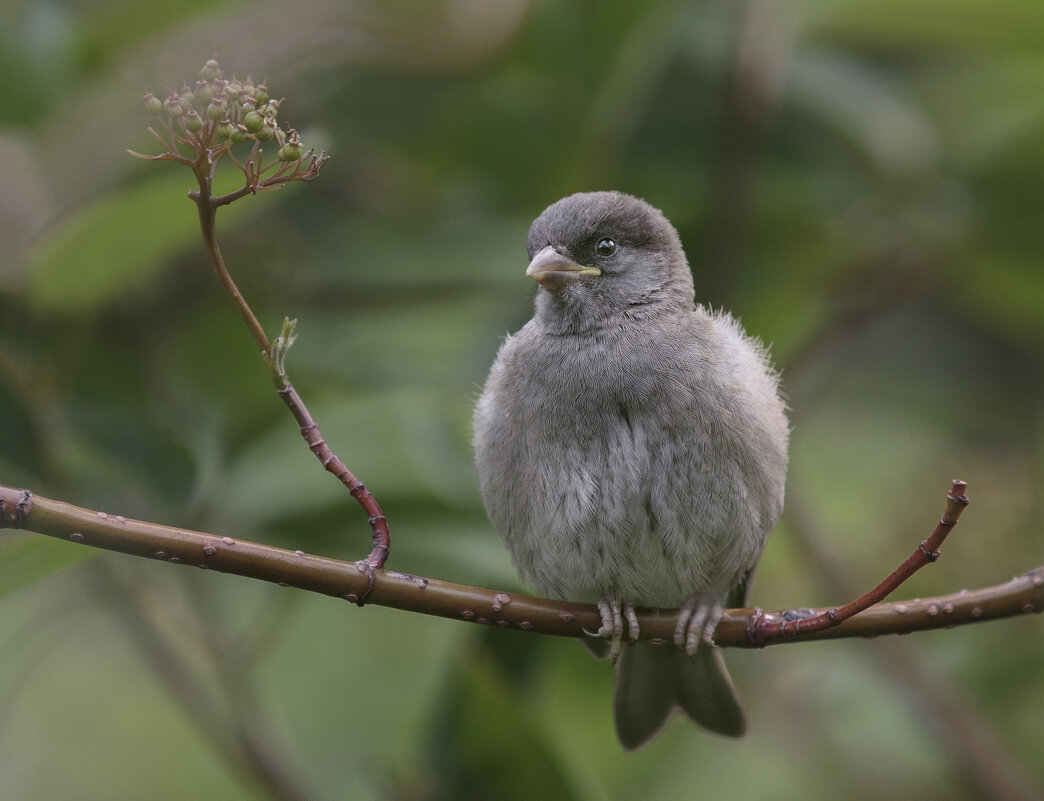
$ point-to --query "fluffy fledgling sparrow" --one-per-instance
(631, 449)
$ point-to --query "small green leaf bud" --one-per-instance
(153, 104)
(210, 71)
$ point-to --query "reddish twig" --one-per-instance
(317, 445)
(207, 123)
(762, 629)
(275, 356)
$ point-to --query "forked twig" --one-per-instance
(762, 628)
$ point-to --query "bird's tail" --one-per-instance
(652, 681)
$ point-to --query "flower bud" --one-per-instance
(204, 93)
(216, 109)
(291, 151)
(253, 121)
(153, 104)
(210, 71)
(173, 106)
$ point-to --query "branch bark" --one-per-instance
(352, 580)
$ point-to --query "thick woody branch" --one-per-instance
(351, 581)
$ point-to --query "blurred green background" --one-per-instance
(860, 183)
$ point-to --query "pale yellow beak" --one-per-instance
(552, 270)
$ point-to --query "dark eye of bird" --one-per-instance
(606, 247)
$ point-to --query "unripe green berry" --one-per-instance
(238, 135)
(291, 151)
(216, 110)
(261, 94)
(193, 122)
(153, 104)
(210, 71)
(173, 106)
(253, 121)
(266, 133)
(224, 129)
(204, 93)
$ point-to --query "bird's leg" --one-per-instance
(696, 623)
(613, 615)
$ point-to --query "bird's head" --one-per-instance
(599, 253)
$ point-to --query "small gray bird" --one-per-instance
(631, 449)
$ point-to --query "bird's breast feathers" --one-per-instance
(620, 479)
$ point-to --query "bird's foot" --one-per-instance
(696, 623)
(613, 616)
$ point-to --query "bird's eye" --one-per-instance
(606, 247)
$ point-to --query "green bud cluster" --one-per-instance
(216, 110)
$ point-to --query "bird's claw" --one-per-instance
(633, 630)
(696, 623)
(613, 615)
